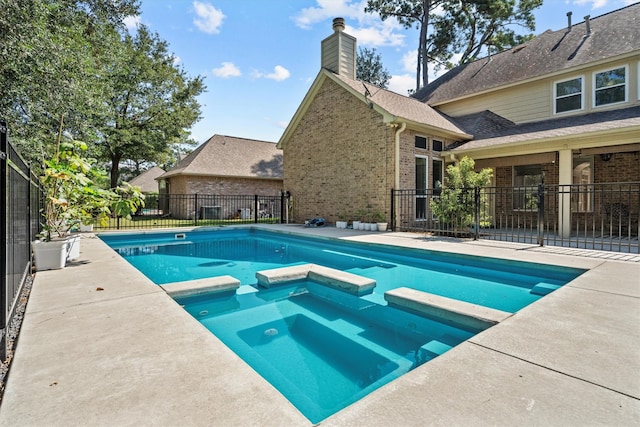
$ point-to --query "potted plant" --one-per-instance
(342, 221)
(378, 217)
(72, 197)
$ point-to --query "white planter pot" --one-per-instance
(73, 247)
(356, 225)
(382, 226)
(85, 228)
(50, 255)
(341, 224)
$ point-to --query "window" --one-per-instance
(437, 171)
(581, 193)
(421, 142)
(421, 187)
(568, 95)
(610, 86)
(525, 187)
(437, 145)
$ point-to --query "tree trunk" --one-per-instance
(115, 169)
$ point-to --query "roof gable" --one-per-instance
(612, 35)
(147, 180)
(392, 106)
(229, 156)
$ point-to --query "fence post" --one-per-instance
(4, 297)
(255, 208)
(541, 214)
(393, 210)
(195, 209)
(282, 207)
(476, 213)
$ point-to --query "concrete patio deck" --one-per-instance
(101, 345)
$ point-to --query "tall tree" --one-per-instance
(409, 13)
(151, 103)
(48, 66)
(471, 28)
(448, 27)
(369, 68)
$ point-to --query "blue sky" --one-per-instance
(259, 57)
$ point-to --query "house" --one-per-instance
(222, 166)
(146, 181)
(564, 106)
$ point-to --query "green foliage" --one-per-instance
(123, 95)
(469, 28)
(458, 27)
(73, 195)
(455, 205)
(369, 68)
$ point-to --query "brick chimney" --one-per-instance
(339, 51)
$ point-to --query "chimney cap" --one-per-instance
(338, 24)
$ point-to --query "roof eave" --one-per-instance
(620, 136)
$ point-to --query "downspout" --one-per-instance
(399, 130)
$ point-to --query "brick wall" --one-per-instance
(339, 158)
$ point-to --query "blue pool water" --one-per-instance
(503, 285)
(323, 348)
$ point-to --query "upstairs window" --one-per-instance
(437, 145)
(568, 95)
(610, 86)
(421, 142)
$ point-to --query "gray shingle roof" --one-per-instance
(612, 34)
(230, 156)
(560, 127)
(404, 107)
(147, 180)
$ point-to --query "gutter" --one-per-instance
(399, 130)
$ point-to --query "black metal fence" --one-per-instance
(589, 216)
(20, 210)
(183, 210)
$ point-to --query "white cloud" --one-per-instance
(329, 9)
(209, 19)
(368, 28)
(132, 22)
(279, 74)
(227, 70)
(595, 4)
(410, 60)
(402, 83)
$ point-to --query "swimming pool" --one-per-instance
(499, 284)
(323, 347)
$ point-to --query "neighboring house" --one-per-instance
(147, 180)
(223, 166)
(564, 106)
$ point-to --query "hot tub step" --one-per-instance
(543, 288)
(435, 347)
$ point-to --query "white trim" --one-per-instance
(582, 94)
(594, 89)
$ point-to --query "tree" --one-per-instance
(459, 27)
(369, 68)
(409, 13)
(471, 28)
(456, 202)
(48, 67)
(151, 103)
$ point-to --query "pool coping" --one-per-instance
(102, 345)
(353, 284)
(460, 313)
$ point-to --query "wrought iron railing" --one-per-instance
(592, 216)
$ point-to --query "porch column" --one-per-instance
(565, 177)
